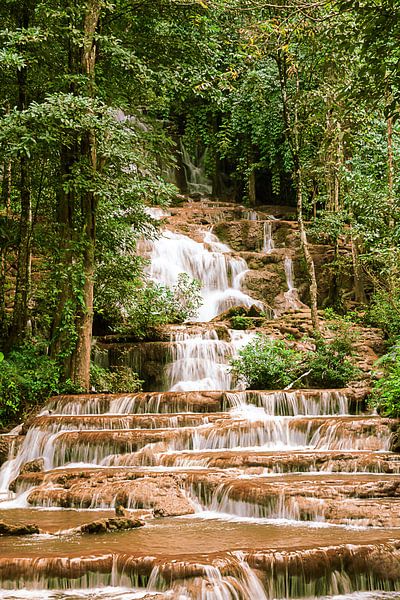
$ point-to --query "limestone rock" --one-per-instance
(7, 442)
(33, 466)
(395, 441)
(25, 529)
(110, 525)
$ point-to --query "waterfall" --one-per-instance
(268, 242)
(196, 179)
(282, 494)
(218, 272)
(199, 362)
(291, 295)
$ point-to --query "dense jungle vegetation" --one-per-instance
(301, 97)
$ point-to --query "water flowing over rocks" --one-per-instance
(220, 493)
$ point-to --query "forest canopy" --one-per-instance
(292, 102)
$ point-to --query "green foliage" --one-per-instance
(329, 365)
(116, 380)
(384, 311)
(27, 378)
(240, 322)
(155, 304)
(328, 227)
(267, 364)
(386, 391)
(272, 364)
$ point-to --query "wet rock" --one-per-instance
(24, 529)
(395, 441)
(110, 525)
(9, 443)
(160, 493)
(33, 466)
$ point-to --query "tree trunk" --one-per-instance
(313, 288)
(60, 337)
(80, 360)
(390, 166)
(251, 182)
(293, 139)
(6, 203)
(359, 289)
(252, 188)
(19, 321)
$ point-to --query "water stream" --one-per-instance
(257, 494)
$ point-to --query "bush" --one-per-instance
(156, 304)
(116, 380)
(271, 364)
(267, 364)
(329, 365)
(384, 312)
(27, 378)
(386, 391)
(239, 322)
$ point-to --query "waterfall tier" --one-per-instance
(245, 494)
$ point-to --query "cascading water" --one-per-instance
(201, 361)
(291, 295)
(299, 477)
(268, 242)
(218, 272)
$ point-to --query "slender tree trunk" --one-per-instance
(252, 188)
(59, 336)
(77, 362)
(359, 284)
(251, 183)
(80, 361)
(306, 249)
(6, 203)
(293, 138)
(390, 167)
(23, 281)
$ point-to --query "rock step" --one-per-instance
(227, 431)
(338, 499)
(143, 402)
(301, 497)
(55, 423)
(286, 569)
(276, 401)
(258, 461)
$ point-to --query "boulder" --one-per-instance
(24, 529)
(33, 466)
(110, 525)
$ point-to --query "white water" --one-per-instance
(291, 295)
(201, 361)
(218, 272)
(295, 403)
(260, 420)
(268, 242)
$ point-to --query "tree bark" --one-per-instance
(359, 285)
(292, 136)
(6, 203)
(80, 360)
(77, 359)
(390, 167)
(19, 321)
(251, 182)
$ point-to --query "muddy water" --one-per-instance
(169, 538)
